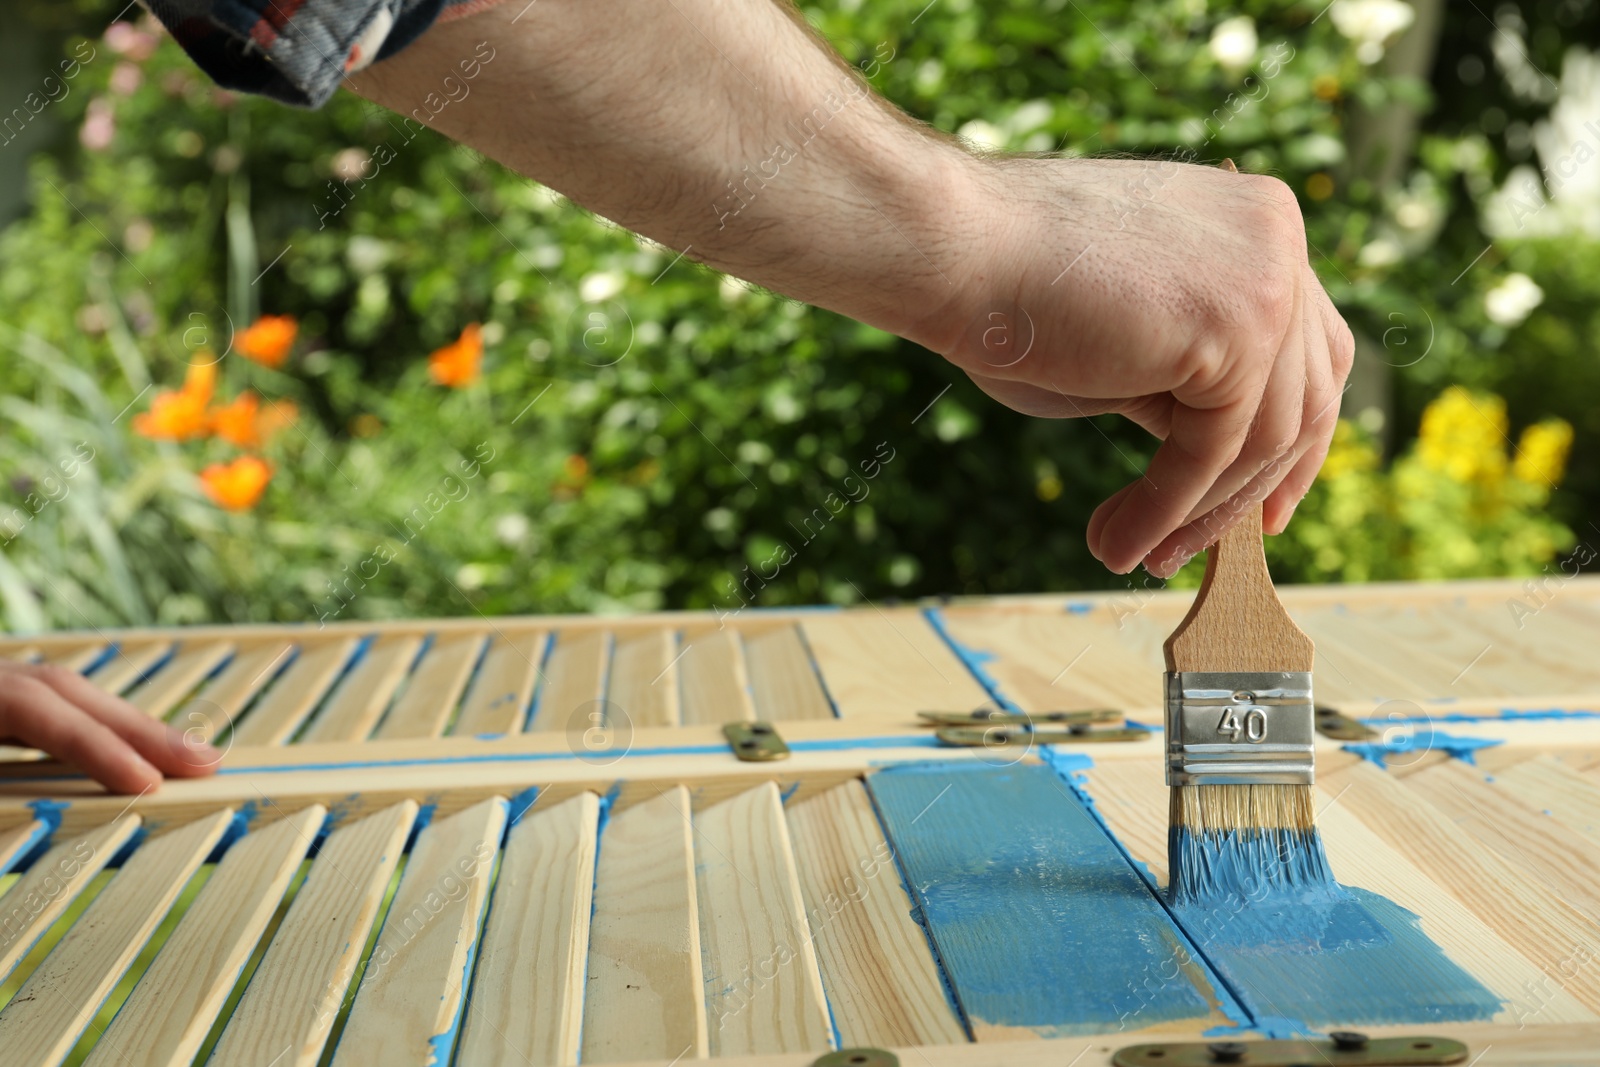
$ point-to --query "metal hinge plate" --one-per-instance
(858, 1057)
(1331, 722)
(755, 742)
(1340, 1050)
(992, 717)
(1023, 734)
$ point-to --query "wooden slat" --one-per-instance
(130, 662)
(50, 886)
(643, 689)
(281, 709)
(1528, 915)
(783, 680)
(527, 996)
(293, 998)
(575, 678)
(879, 973)
(409, 1003)
(763, 990)
(1565, 860)
(712, 677)
(1439, 671)
(167, 1017)
(645, 997)
(360, 698)
(890, 664)
(434, 689)
(76, 658)
(188, 667)
(1137, 814)
(1548, 785)
(214, 709)
(22, 653)
(51, 1010)
(502, 693)
(15, 843)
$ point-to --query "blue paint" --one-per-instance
(783, 797)
(974, 659)
(1079, 607)
(1300, 950)
(49, 812)
(1037, 918)
(238, 826)
(519, 806)
(1502, 715)
(1421, 741)
(487, 737)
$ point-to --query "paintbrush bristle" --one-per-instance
(1245, 843)
(1219, 808)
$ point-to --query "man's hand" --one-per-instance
(1179, 296)
(60, 711)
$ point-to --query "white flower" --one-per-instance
(1030, 116)
(1513, 300)
(1370, 23)
(984, 135)
(1379, 252)
(512, 529)
(602, 285)
(1234, 41)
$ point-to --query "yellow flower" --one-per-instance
(1349, 452)
(1542, 452)
(237, 486)
(268, 339)
(1463, 435)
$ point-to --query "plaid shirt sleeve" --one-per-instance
(297, 51)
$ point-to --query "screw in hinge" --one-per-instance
(1227, 1051)
(1348, 1040)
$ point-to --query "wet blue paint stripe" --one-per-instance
(1038, 920)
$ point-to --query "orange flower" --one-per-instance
(237, 486)
(459, 363)
(267, 340)
(244, 424)
(180, 414)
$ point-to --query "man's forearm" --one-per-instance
(721, 126)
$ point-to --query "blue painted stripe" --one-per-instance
(974, 659)
(1038, 920)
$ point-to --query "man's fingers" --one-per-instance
(167, 748)
(1202, 445)
(35, 714)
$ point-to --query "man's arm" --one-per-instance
(1180, 296)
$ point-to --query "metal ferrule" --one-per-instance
(1239, 728)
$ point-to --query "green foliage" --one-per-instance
(646, 434)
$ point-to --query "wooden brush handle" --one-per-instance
(1236, 622)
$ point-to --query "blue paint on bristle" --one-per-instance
(1247, 864)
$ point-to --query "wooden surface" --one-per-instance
(415, 983)
(763, 990)
(527, 997)
(171, 1010)
(877, 967)
(289, 1008)
(502, 693)
(693, 864)
(49, 1013)
(54, 881)
(645, 995)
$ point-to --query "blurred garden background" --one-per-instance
(259, 363)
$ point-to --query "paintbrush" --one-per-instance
(1239, 725)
